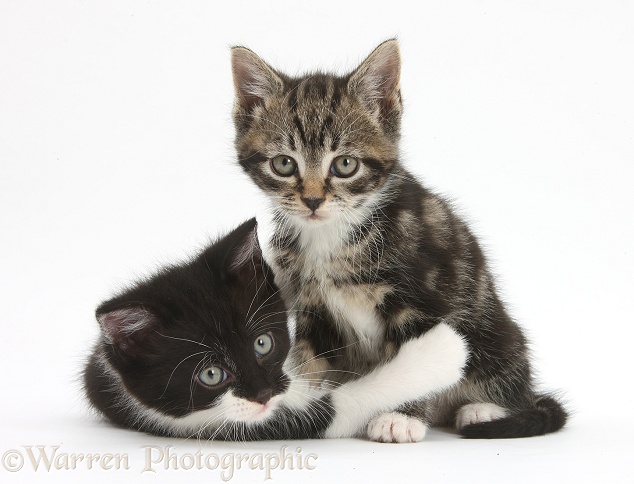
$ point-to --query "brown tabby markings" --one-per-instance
(380, 259)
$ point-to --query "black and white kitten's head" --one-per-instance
(321, 146)
(196, 346)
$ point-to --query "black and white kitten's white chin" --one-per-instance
(241, 410)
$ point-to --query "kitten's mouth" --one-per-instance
(265, 410)
(314, 216)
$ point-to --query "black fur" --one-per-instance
(547, 416)
(204, 312)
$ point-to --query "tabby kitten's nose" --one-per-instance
(263, 396)
(312, 202)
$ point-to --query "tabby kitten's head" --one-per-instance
(321, 146)
(196, 345)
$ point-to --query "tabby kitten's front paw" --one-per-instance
(396, 427)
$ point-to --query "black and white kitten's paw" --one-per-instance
(474, 413)
(437, 358)
(396, 427)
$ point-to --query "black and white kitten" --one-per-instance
(367, 257)
(199, 350)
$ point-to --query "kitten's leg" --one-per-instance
(317, 339)
(310, 367)
(425, 365)
(473, 413)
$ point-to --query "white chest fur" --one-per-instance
(354, 309)
(353, 306)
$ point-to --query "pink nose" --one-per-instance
(263, 396)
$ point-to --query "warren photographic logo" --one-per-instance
(153, 459)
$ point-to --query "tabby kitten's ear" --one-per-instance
(253, 79)
(129, 330)
(376, 80)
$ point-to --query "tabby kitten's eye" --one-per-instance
(263, 345)
(212, 376)
(344, 166)
(284, 165)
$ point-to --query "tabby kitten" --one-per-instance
(367, 257)
(198, 350)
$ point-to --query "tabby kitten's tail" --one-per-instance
(545, 417)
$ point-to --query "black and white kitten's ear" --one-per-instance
(128, 329)
(245, 262)
(253, 79)
(376, 80)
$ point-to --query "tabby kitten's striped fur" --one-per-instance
(199, 350)
(367, 257)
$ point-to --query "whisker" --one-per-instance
(176, 367)
(183, 339)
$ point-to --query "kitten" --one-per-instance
(199, 350)
(366, 256)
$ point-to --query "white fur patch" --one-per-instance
(241, 410)
(428, 364)
(229, 410)
(479, 412)
(205, 423)
(209, 422)
(320, 239)
(356, 310)
(396, 427)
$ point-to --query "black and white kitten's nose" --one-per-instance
(312, 202)
(263, 396)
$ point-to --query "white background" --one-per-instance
(116, 156)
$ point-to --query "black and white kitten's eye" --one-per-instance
(284, 165)
(344, 166)
(212, 376)
(263, 345)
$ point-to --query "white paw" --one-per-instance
(436, 359)
(478, 412)
(396, 427)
